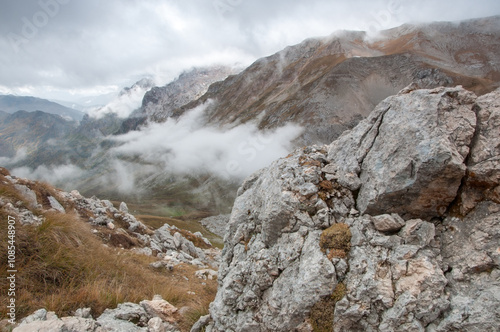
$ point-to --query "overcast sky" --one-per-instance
(65, 49)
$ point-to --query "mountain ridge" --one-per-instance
(159, 102)
(12, 104)
(30, 131)
(275, 87)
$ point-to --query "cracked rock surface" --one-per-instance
(398, 151)
(415, 185)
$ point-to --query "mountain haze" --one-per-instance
(30, 131)
(12, 104)
(159, 102)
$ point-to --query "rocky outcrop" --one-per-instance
(361, 235)
(43, 321)
(395, 282)
(149, 316)
(272, 267)
(216, 224)
(405, 142)
(32, 203)
(159, 102)
(173, 248)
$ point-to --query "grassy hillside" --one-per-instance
(62, 266)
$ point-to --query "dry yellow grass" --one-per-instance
(338, 237)
(321, 317)
(62, 266)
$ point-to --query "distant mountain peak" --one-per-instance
(143, 84)
(159, 102)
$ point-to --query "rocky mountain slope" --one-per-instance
(103, 216)
(173, 254)
(159, 102)
(329, 84)
(87, 146)
(395, 226)
(32, 139)
(48, 136)
(28, 132)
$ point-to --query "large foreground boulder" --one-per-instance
(410, 152)
(361, 235)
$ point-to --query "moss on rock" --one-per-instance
(321, 317)
(337, 237)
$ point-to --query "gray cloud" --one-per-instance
(187, 146)
(55, 48)
(60, 174)
(20, 155)
(178, 148)
(122, 104)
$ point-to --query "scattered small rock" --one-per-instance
(386, 223)
(123, 207)
(206, 274)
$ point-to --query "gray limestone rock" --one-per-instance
(123, 207)
(471, 260)
(28, 194)
(155, 324)
(216, 224)
(177, 249)
(43, 321)
(56, 205)
(24, 216)
(408, 156)
(39, 315)
(483, 174)
(388, 223)
(273, 270)
(158, 307)
(407, 269)
(129, 317)
(200, 324)
(83, 313)
(415, 164)
(394, 282)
